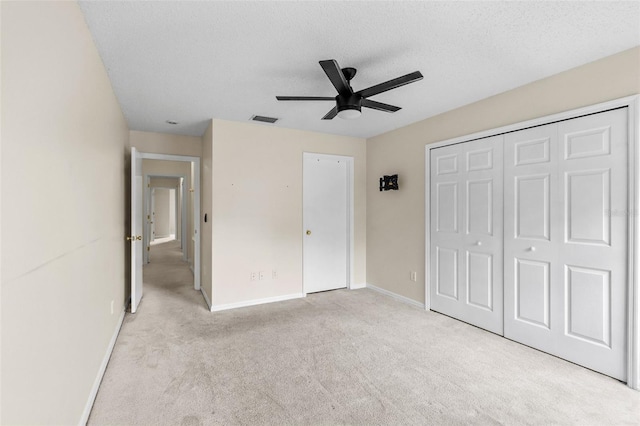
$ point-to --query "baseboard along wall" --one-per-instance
(101, 370)
(216, 308)
(396, 296)
(206, 299)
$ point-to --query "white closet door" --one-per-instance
(532, 231)
(566, 240)
(466, 232)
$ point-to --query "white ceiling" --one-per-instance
(192, 61)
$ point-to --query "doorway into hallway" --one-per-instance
(151, 175)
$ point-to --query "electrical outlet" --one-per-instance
(413, 276)
(112, 307)
(261, 275)
(274, 275)
(253, 276)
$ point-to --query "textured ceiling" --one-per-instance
(192, 61)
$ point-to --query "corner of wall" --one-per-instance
(206, 228)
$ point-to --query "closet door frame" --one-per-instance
(632, 103)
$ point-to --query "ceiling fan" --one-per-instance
(348, 102)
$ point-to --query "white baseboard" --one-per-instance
(396, 296)
(206, 298)
(357, 286)
(101, 370)
(216, 308)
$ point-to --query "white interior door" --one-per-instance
(183, 221)
(466, 232)
(153, 214)
(147, 220)
(566, 240)
(532, 231)
(326, 221)
(136, 230)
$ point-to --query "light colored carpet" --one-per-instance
(340, 357)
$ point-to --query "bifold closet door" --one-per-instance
(466, 232)
(566, 240)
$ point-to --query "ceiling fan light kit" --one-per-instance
(348, 107)
(348, 102)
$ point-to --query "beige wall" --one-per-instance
(164, 143)
(395, 219)
(206, 230)
(64, 142)
(165, 182)
(257, 207)
(162, 216)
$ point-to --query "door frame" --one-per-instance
(196, 206)
(183, 209)
(350, 220)
(632, 103)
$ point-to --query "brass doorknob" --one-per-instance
(308, 232)
(139, 237)
(132, 238)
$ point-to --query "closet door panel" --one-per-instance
(471, 233)
(531, 227)
(591, 314)
(446, 223)
(565, 240)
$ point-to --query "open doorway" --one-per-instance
(168, 214)
(163, 214)
(167, 209)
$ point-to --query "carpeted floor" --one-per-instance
(334, 358)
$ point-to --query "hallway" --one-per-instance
(148, 348)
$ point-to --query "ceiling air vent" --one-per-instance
(264, 119)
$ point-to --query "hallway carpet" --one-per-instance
(334, 358)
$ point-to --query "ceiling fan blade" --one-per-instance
(304, 98)
(333, 71)
(379, 106)
(391, 84)
(331, 114)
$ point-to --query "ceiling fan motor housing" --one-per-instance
(351, 101)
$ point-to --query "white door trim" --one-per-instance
(633, 289)
(350, 222)
(196, 205)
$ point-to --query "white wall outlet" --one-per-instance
(112, 307)
(274, 275)
(253, 276)
(413, 276)
(261, 275)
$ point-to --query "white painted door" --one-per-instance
(136, 230)
(147, 220)
(532, 230)
(566, 240)
(326, 217)
(153, 214)
(466, 232)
